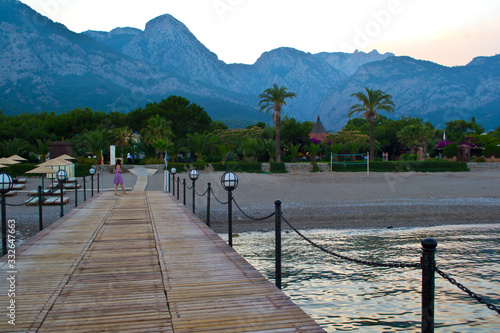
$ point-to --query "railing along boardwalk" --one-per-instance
(141, 263)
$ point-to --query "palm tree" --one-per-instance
(275, 98)
(94, 141)
(41, 149)
(198, 142)
(371, 103)
(122, 136)
(14, 146)
(157, 129)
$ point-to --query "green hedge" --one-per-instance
(278, 167)
(405, 166)
(82, 169)
(315, 167)
(17, 170)
(250, 167)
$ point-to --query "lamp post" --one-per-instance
(173, 171)
(92, 173)
(229, 182)
(61, 176)
(6, 184)
(193, 175)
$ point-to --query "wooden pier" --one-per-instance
(140, 262)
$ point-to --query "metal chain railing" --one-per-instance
(357, 261)
(467, 290)
(251, 217)
(222, 203)
(22, 204)
(201, 195)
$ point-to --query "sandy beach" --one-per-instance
(318, 200)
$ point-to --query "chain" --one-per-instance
(19, 205)
(468, 291)
(222, 203)
(250, 217)
(357, 261)
(201, 195)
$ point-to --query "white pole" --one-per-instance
(166, 178)
(368, 163)
(331, 162)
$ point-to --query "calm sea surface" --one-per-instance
(343, 296)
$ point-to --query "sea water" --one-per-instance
(345, 296)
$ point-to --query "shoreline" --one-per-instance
(319, 200)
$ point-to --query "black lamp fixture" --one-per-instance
(61, 176)
(193, 175)
(173, 171)
(92, 172)
(229, 182)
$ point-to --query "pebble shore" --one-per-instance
(316, 200)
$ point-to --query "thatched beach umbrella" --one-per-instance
(56, 162)
(8, 161)
(66, 157)
(2, 166)
(43, 170)
(17, 158)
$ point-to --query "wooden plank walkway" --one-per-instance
(140, 263)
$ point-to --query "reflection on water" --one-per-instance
(344, 296)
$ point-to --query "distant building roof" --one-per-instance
(318, 127)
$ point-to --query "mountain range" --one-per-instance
(46, 67)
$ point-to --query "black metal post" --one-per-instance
(428, 284)
(61, 187)
(184, 184)
(277, 244)
(178, 179)
(194, 197)
(168, 181)
(97, 182)
(230, 217)
(76, 193)
(84, 189)
(92, 185)
(173, 185)
(40, 205)
(4, 227)
(208, 203)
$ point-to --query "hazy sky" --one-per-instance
(239, 31)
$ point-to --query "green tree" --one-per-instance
(122, 137)
(274, 99)
(371, 104)
(157, 129)
(16, 146)
(458, 129)
(295, 132)
(41, 149)
(294, 150)
(94, 142)
(313, 149)
(198, 142)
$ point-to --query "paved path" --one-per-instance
(142, 174)
(139, 263)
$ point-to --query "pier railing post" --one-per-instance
(76, 193)
(194, 197)
(277, 243)
(84, 189)
(208, 203)
(178, 179)
(40, 204)
(230, 217)
(428, 284)
(98, 182)
(184, 192)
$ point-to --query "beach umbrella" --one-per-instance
(17, 158)
(66, 157)
(43, 170)
(2, 166)
(8, 161)
(56, 162)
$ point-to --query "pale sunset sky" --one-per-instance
(447, 32)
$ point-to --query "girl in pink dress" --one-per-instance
(118, 176)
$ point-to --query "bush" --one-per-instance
(479, 159)
(450, 151)
(315, 167)
(251, 167)
(434, 165)
(278, 167)
(82, 169)
(16, 170)
(491, 150)
(151, 160)
(179, 167)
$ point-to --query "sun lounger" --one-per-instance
(56, 201)
(11, 193)
(71, 180)
(32, 202)
(19, 180)
(72, 186)
(56, 192)
(18, 187)
(34, 193)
